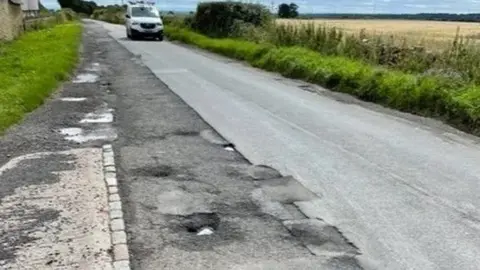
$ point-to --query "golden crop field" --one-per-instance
(413, 31)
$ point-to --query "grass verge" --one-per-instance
(32, 67)
(426, 95)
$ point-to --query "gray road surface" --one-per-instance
(405, 190)
(192, 203)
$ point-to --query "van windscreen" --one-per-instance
(144, 12)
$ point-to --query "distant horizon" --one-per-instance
(331, 6)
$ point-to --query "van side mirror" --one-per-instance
(127, 16)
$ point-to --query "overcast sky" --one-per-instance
(334, 6)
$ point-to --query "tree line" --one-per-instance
(467, 17)
(290, 10)
(79, 6)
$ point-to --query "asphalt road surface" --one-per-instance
(405, 190)
(190, 200)
(355, 186)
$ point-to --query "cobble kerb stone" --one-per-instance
(121, 260)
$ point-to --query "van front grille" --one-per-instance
(147, 25)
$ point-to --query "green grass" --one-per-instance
(32, 66)
(443, 98)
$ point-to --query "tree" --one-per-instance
(284, 10)
(79, 6)
(288, 10)
(293, 10)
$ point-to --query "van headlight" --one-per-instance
(158, 24)
(134, 23)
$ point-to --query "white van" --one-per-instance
(143, 20)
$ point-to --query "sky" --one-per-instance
(333, 6)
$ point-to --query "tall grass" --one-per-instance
(456, 101)
(111, 14)
(459, 60)
(32, 67)
(49, 20)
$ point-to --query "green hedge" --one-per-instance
(111, 14)
(60, 16)
(423, 95)
(221, 19)
(32, 67)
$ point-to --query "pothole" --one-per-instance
(155, 171)
(306, 87)
(286, 190)
(205, 231)
(320, 237)
(229, 147)
(263, 172)
(185, 133)
(201, 223)
(212, 137)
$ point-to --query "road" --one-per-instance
(405, 190)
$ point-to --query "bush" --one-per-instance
(460, 58)
(111, 14)
(426, 95)
(32, 67)
(61, 16)
(222, 19)
(79, 6)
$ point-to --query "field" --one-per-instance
(433, 34)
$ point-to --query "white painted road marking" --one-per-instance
(80, 136)
(86, 78)
(105, 117)
(73, 99)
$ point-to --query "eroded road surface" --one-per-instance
(403, 189)
(299, 178)
(190, 200)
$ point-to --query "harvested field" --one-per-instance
(431, 33)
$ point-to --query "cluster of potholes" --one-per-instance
(274, 195)
(207, 229)
(198, 223)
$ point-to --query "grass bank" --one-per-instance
(32, 67)
(444, 98)
(50, 19)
